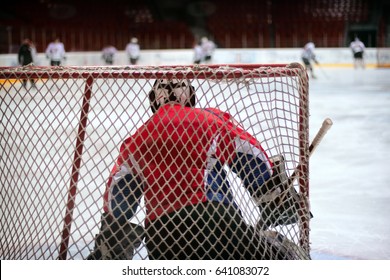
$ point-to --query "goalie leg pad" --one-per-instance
(116, 241)
(285, 248)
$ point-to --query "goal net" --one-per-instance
(61, 133)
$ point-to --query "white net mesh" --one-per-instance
(61, 136)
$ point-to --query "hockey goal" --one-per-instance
(60, 138)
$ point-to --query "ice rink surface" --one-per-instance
(350, 171)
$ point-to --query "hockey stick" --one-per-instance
(288, 187)
(326, 125)
(323, 71)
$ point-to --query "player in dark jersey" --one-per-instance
(26, 57)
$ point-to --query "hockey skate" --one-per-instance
(115, 241)
(280, 205)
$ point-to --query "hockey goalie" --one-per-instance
(178, 161)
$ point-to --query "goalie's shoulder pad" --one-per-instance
(225, 116)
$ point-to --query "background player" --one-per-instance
(108, 54)
(198, 53)
(208, 47)
(55, 51)
(358, 48)
(133, 51)
(308, 56)
(26, 55)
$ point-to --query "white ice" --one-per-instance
(349, 172)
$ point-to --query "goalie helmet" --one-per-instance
(164, 91)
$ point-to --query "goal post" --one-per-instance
(61, 135)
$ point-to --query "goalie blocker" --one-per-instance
(280, 204)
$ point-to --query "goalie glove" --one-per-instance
(280, 205)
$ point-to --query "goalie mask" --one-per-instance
(164, 91)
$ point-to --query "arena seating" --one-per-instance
(233, 24)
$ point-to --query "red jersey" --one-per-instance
(177, 155)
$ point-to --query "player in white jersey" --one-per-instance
(55, 51)
(208, 47)
(198, 53)
(108, 54)
(308, 56)
(133, 51)
(358, 48)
